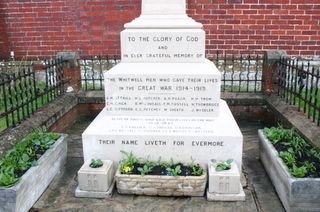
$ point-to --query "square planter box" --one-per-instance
(161, 185)
(34, 182)
(296, 194)
(224, 182)
(96, 179)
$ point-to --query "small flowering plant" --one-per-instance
(132, 165)
(127, 165)
(126, 170)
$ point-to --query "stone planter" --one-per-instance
(296, 194)
(34, 182)
(224, 182)
(96, 179)
(161, 185)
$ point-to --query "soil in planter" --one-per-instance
(301, 160)
(161, 170)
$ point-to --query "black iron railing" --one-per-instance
(239, 74)
(298, 84)
(25, 90)
(92, 69)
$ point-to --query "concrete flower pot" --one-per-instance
(96, 179)
(158, 185)
(224, 182)
(34, 182)
(296, 194)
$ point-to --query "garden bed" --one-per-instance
(161, 185)
(160, 178)
(296, 194)
(21, 196)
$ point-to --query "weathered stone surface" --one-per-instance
(96, 179)
(227, 197)
(33, 183)
(161, 185)
(224, 182)
(96, 194)
(296, 194)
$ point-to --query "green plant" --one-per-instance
(96, 163)
(166, 164)
(299, 145)
(298, 171)
(197, 170)
(313, 153)
(24, 155)
(127, 165)
(174, 171)
(145, 169)
(294, 151)
(222, 166)
(310, 166)
(288, 158)
(277, 134)
(7, 177)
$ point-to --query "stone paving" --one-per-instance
(260, 194)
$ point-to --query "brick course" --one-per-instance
(43, 28)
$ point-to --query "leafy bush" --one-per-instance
(300, 157)
(24, 155)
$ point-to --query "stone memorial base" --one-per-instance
(226, 197)
(179, 138)
(95, 194)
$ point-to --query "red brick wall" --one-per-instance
(4, 44)
(41, 28)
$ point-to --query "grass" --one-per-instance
(303, 103)
(20, 100)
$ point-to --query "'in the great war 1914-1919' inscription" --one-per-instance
(162, 95)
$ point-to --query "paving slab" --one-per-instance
(60, 196)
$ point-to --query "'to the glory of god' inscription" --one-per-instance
(163, 46)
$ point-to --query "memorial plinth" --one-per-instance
(164, 136)
(163, 99)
